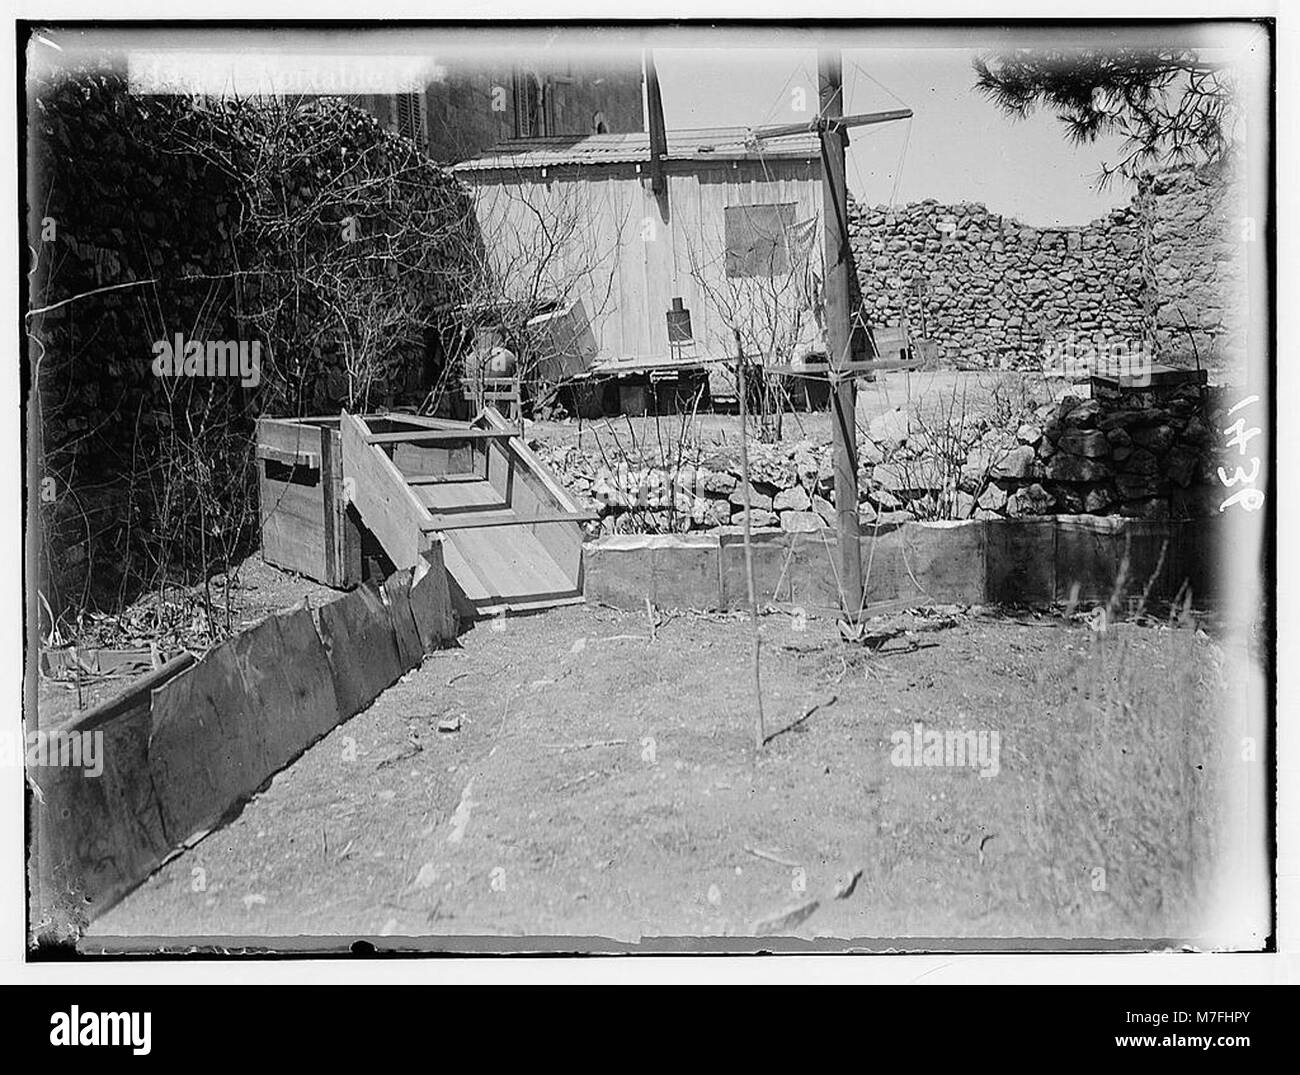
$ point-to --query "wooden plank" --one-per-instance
(531, 488)
(946, 560)
(508, 517)
(287, 456)
(133, 695)
(441, 479)
(360, 647)
(1089, 551)
(385, 502)
(331, 491)
(1020, 561)
(220, 729)
(413, 419)
(530, 458)
(292, 512)
(460, 496)
(431, 604)
(437, 435)
(287, 435)
(512, 563)
(397, 594)
(293, 526)
(466, 578)
(490, 609)
(103, 834)
(424, 458)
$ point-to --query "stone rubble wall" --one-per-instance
(994, 293)
(1149, 454)
(1197, 232)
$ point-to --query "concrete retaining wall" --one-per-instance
(1036, 561)
(178, 758)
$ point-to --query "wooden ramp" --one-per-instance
(509, 531)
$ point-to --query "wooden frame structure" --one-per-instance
(509, 532)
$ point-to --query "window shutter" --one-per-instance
(408, 116)
(758, 239)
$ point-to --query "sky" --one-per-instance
(958, 146)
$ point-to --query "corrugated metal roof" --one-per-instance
(711, 143)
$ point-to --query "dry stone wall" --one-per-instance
(1148, 452)
(1193, 261)
(994, 293)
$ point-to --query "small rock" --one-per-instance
(758, 501)
(1032, 500)
(1073, 468)
(1090, 443)
(1137, 486)
(1156, 439)
(826, 509)
(993, 498)
(714, 481)
(1141, 462)
(869, 452)
(1083, 415)
(885, 500)
(795, 499)
(1098, 498)
(1181, 466)
(758, 517)
(1015, 464)
(801, 522)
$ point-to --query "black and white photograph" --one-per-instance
(687, 487)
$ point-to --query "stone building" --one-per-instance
(474, 105)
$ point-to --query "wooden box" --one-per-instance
(306, 525)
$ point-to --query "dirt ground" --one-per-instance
(605, 785)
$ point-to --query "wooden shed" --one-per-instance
(733, 235)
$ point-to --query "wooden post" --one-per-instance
(838, 265)
(760, 734)
(658, 132)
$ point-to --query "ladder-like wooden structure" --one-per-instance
(511, 534)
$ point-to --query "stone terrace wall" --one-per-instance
(992, 291)
(1146, 452)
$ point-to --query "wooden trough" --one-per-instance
(335, 490)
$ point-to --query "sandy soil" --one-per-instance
(603, 785)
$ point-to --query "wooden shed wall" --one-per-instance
(633, 256)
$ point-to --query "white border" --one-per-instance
(1283, 967)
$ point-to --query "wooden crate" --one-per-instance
(306, 524)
